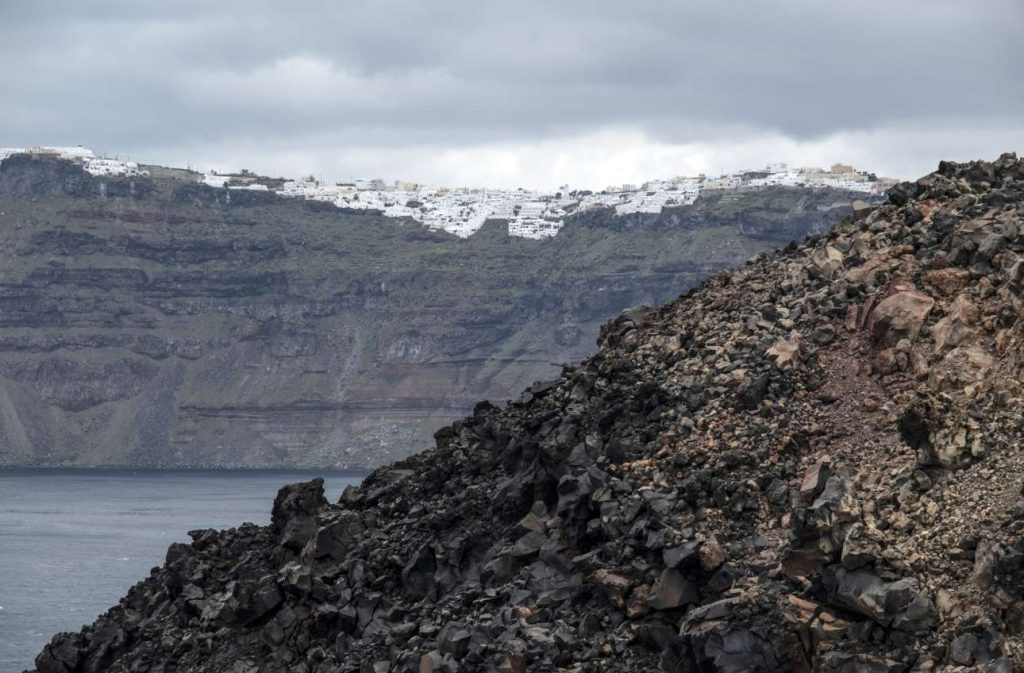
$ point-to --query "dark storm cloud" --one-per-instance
(130, 74)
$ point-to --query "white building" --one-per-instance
(113, 167)
(214, 180)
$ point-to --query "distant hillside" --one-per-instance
(155, 321)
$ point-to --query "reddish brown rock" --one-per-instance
(785, 353)
(814, 479)
(947, 282)
(711, 554)
(899, 316)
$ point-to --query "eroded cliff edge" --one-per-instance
(159, 322)
(810, 463)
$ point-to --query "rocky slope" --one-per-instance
(810, 463)
(159, 322)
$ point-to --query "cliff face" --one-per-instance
(811, 463)
(163, 323)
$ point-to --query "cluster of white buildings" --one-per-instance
(459, 211)
(92, 163)
(529, 214)
(840, 176)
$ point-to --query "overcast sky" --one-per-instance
(516, 93)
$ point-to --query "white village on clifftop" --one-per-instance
(462, 211)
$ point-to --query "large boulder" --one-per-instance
(672, 590)
(294, 513)
(899, 316)
(898, 603)
(825, 262)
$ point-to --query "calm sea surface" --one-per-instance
(73, 541)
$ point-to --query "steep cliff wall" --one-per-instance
(164, 323)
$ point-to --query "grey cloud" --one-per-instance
(132, 74)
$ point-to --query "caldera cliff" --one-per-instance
(158, 322)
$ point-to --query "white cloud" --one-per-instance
(309, 86)
(598, 159)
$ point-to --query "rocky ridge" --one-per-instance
(810, 463)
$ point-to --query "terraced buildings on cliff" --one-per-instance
(529, 214)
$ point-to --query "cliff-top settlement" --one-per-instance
(530, 214)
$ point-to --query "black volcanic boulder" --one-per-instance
(294, 513)
(62, 655)
(898, 602)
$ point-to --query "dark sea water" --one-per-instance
(73, 541)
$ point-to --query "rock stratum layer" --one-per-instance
(810, 463)
(158, 322)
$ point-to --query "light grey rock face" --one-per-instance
(157, 322)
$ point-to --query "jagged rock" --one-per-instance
(815, 479)
(672, 590)
(418, 574)
(676, 557)
(529, 544)
(613, 584)
(859, 549)
(986, 555)
(333, 539)
(294, 513)
(899, 316)
(63, 655)
(725, 650)
(955, 327)
(947, 282)
(823, 334)
(786, 353)
(898, 603)
(961, 650)
(940, 434)
(752, 392)
(825, 262)
(454, 640)
(1000, 665)
(433, 662)
(830, 515)
(711, 554)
